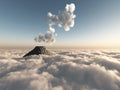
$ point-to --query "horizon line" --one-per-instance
(62, 47)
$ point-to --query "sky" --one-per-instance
(97, 22)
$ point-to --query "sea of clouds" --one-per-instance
(67, 70)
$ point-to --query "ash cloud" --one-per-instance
(67, 70)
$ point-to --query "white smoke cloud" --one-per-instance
(67, 70)
(47, 38)
(64, 19)
(52, 30)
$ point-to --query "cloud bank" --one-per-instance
(68, 70)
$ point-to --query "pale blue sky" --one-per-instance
(97, 22)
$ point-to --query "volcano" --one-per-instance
(38, 50)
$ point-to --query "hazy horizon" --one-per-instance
(60, 47)
(97, 23)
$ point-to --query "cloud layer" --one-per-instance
(67, 70)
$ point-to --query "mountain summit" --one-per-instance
(38, 50)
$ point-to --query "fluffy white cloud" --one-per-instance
(67, 70)
(52, 29)
(47, 38)
(70, 7)
(64, 19)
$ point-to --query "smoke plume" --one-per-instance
(47, 38)
(64, 19)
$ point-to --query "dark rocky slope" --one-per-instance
(39, 50)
